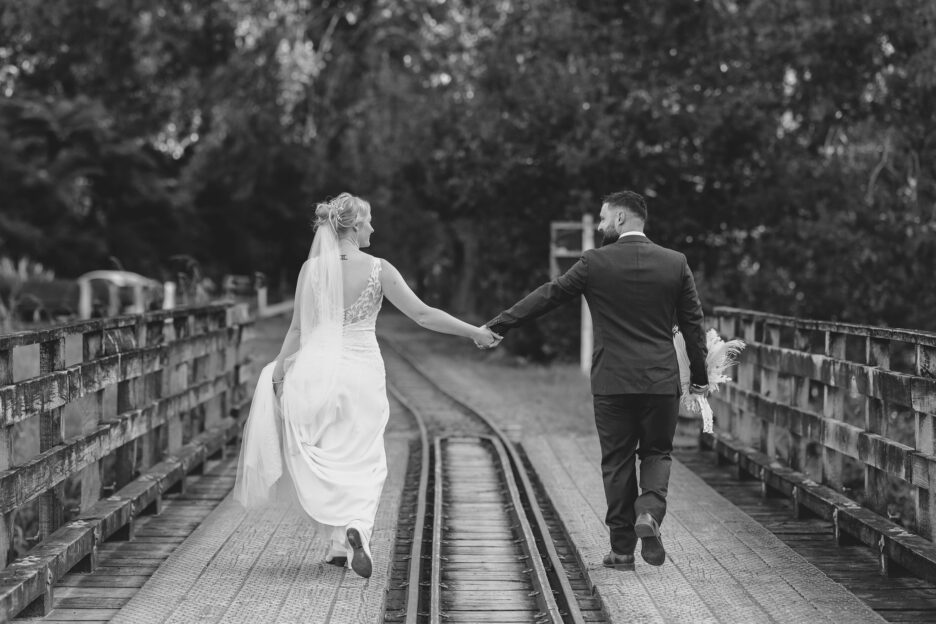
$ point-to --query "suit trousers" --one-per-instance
(631, 426)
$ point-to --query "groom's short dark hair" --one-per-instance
(628, 200)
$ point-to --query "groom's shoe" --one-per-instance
(361, 559)
(651, 548)
(615, 561)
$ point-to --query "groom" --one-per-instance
(635, 290)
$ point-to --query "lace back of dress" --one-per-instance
(369, 301)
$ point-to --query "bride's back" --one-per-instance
(355, 274)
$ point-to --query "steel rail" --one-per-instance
(416, 554)
(435, 598)
(564, 588)
(528, 544)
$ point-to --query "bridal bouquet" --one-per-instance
(721, 356)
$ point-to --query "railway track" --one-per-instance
(478, 540)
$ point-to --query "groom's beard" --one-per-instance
(608, 237)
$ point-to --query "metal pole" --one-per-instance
(588, 242)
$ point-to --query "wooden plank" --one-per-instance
(926, 361)
(57, 388)
(910, 391)
(101, 580)
(483, 616)
(902, 335)
(90, 475)
(31, 337)
(131, 561)
(135, 569)
(122, 548)
(896, 459)
(90, 604)
(90, 592)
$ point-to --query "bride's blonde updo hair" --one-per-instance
(342, 214)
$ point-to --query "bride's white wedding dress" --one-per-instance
(322, 444)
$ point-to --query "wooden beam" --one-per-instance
(25, 338)
(29, 398)
(901, 335)
(23, 483)
(909, 391)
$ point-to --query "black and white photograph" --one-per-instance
(467, 311)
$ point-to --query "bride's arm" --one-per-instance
(291, 341)
(406, 301)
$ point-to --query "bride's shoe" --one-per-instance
(337, 555)
(361, 559)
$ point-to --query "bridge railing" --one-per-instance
(841, 418)
(157, 394)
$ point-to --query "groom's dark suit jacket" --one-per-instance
(636, 290)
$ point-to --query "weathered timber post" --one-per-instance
(51, 433)
(6, 452)
(832, 407)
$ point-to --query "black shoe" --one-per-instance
(361, 559)
(336, 555)
(615, 561)
(651, 547)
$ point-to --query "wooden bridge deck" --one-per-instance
(724, 566)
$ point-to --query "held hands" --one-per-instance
(486, 339)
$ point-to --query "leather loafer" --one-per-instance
(651, 547)
(619, 562)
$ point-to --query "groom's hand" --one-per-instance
(696, 396)
(490, 339)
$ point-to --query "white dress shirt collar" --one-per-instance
(632, 233)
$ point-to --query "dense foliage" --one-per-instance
(788, 148)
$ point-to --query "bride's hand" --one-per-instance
(486, 339)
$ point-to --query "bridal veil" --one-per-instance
(278, 430)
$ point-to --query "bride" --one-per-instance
(316, 423)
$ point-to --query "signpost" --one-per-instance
(568, 240)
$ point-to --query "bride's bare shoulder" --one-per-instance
(385, 264)
(371, 258)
